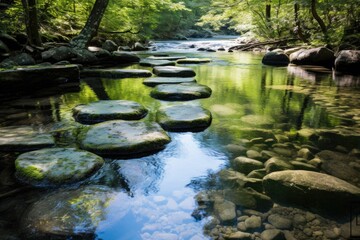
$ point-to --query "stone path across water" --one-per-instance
(181, 92)
(154, 63)
(171, 71)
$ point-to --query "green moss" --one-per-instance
(31, 172)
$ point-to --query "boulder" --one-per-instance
(193, 60)
(122, 139)
(320, 56)
(155, 63)
(56, 166)
(180, 92)
(106, 110)
(171, 71)
(166, 80)
(116, 73)
(22, 59)
(74, 212)
(110, 46)
(275, 59)
(246, 165)
(348, 61)
(58, 54)
(184, 117)
(22, 139)
(316, 191)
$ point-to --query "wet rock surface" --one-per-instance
(193, 60)
(167, 80)
(171, 71)
(106, 110)
(180, 92)
(155, 63)
(56, 166)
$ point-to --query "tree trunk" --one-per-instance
(318, 18)
(298, 29)
(268, 10)
(91, 26)
(31, 22)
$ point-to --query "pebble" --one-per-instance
(308, 231)
(241, 226)
(309, 216)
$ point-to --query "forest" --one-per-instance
(333, 23)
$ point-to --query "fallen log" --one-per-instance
(244, 47)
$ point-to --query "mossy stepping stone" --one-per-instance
(193, 60)
(154, 63)
(121, 138)
(167, 80)
(169, 58)
(184, 117)
(106, 110)
(171, 71)
(56, 166)
(23, 138)
(116, 73)
(68, 213)
(180, 92)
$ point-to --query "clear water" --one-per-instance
(154, 197)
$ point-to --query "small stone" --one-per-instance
(242, 218)
(283, 151)
(299, 219)
(241, 226)
(253, 222)
(305, 153)
(318, 233)
(253, 154)
(331, 234)
(272, 234)
(239, 236)
(279, 221)
(246, 165)
(308, 231)
(225, 210)
(309, 216)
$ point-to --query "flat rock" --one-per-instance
(121, 138)
(180, 92)
(116, 73)
(106, 110)
(21, 139)
(193, 60)
(66, 213)
(171, 71)
(184, 117)
(246, 165)
(155, 63)
(167, 80)
(123, 57)
(56, 166)
(303, 188)
(169, 58)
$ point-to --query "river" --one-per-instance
(155, 195)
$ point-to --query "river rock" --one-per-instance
(348, 61)
(303, 188)
(22, 59)
(106, 110)
(248, 198)
(116, 73)
(272, 234)
(155, 63)
(279, 221)
(259, 173)
(193, 60)
(123, 138)
(21, 139)
(225, 210)
(171, 71)
(181, 92)
(118, 57)
(169, 58)
(253, 223)
(277, 164)
(239, 236)
(58, 54)
(246, 165)
(275, 59)
(303, 166)
(56, 166)
(184, 117)
(320, 56)
(65, 213)
(167, 80)
(110, 46)
(139, 47)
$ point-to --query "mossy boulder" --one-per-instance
(193, 60)
(184, 117)
(106, 110)
(151, 82)
(116, 73)
(56, 166)
(181, 92)
(316, 191)
(68, 213)
(121, 138)
(154, 63)
(172, 71)
(22, 139)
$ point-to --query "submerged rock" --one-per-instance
(193, 60)
(154, 63)
(225, 210)
(246, 165)
(121, 138)
(106, 110)
(68, 213)
(180, 92)
(184, 117)
(275, 59)
(56, 166)
(116, 73)
(171, 71)
(316, 191)
(167, 80)
(21, 139)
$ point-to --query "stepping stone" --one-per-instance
(56, 166)
(116, 73)
(22, 139)
(184, 118)
(180, 92)
(171, 71)
(106, 110)
(121, 138)
(167, 80)
(71, 213)
(170, 58)
(193, 60)
(154, 63)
